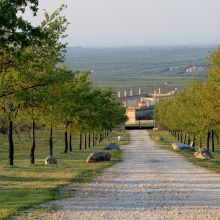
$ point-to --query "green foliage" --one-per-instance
(15, 31)
(195, 110)
(214, 66)
(34, 85)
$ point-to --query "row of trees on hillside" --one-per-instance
(195, 112)
(36, 87)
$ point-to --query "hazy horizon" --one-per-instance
(148, 46)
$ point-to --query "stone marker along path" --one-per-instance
(150, 183)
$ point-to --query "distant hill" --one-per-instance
(141, 67)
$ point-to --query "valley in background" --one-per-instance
(148, 68)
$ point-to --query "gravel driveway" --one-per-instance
(150, 183)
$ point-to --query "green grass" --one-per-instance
(213, 165)
(23, 185)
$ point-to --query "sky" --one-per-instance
(116, 23)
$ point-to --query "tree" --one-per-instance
(195, 110)
(31, 67)
(212, 88)
(15, 31)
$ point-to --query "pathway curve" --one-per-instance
(150, 183)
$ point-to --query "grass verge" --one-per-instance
(24, 186)
(213, 165)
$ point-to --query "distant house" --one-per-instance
(136, 114)
(147, 102)
(140, 107)
(192, 69)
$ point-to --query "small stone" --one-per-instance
(98, 156)
(182, 146)
(203, 153)
(112, 146)
(121, 138)
(50, 160)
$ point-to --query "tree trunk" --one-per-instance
(194, 140)
(89, 140)
(189, 139)
(200, 144)
(100, 137)
(51, 140)
(213, 142)
(208, 139)
(96, 138)
(93, 139)
(85, 141)
(33, 144)
(66, 141)
(70, 143)
(80, 141)
(107, 133)
(181, 136)
(11, 144)
(184, 138)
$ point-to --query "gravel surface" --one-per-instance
(150, 183)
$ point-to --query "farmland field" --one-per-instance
(141, 67)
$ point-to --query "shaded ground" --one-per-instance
(150, 183)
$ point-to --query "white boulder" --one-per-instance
(181, 146)
(121, 138)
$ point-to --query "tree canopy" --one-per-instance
(37, 88)
(195, 111)
(14, 29)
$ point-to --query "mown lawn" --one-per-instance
(23, 185)
(213, 165)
